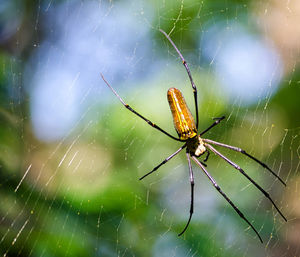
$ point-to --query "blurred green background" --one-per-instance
(71, 154)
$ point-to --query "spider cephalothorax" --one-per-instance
(196, 146)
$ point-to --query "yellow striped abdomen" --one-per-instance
(183, 120)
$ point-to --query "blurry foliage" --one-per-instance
(90, 202)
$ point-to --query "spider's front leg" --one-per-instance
(216, 122)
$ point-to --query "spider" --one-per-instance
(196, 146)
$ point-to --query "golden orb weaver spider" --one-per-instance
(195, 145)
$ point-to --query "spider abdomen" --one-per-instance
(183, 119)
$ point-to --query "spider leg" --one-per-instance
(163, 162)
(206, 158)
(244, 152)
(246, 175)
(192, 194)
(204, 164)
(136, 113)
(188, 72)
(226, 197)
(217, 121)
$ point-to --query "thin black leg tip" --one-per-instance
(263, 165)
(142, 177)
(180, 234)
(219, 118)
(259, 237)
(282, 182)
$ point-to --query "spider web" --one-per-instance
(71, 155)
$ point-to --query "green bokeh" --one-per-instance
(94, 205)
